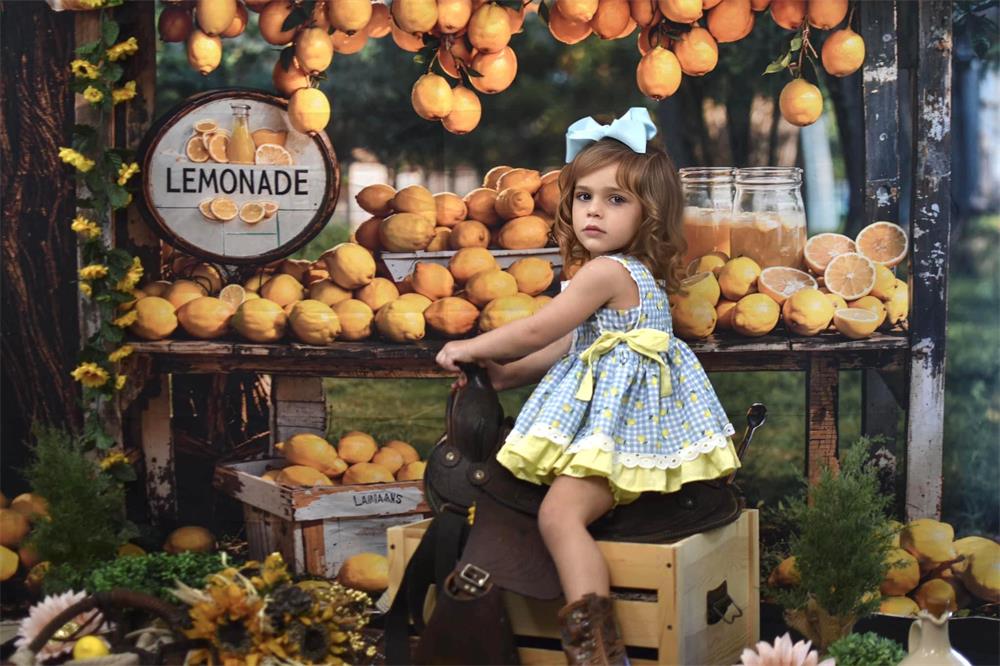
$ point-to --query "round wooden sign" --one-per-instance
(228, 179)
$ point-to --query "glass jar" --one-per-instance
(769, 221)
(708, 205)
(241, 146)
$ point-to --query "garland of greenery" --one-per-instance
(108, 275)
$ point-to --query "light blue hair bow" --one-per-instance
(633, 129)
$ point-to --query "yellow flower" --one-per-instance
(126, 319)
(119, 382)
(132, 277)
(120, 353)
(85, 288)
(93, 272)
(92, 4)
(70, 156)
(83, 69)
(85, 227)
(90, 375)
(123, 49)
(93, 95)
(112, 459)
(123, 94)
(126, 171)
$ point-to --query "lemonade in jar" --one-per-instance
(769, 221)
(708, 205)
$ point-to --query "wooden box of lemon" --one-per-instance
(694, 601)
(319, 504)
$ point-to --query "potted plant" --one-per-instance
(840, 538)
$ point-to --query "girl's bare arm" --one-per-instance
(532, 367)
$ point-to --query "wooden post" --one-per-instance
(930, 226)
(298, 405)
(158, 453)
(877, 23)
(822, 394)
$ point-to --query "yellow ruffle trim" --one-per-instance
(539, 460)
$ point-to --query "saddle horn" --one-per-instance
(756, 416)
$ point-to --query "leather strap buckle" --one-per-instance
(473, 578)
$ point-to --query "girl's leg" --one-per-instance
(569, 506)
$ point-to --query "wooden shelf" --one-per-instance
(721, 353)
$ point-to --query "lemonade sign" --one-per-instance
(227, 178)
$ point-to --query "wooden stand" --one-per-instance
(663, 604)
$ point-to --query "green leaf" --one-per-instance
(113, 72)
(117, 196)
(123, 473)
(543, 12)
(795, 44)
(90, 48)
(472, 72)
(286, 56)
(109, 32)
(296, 18)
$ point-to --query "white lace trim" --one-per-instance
(644, 460)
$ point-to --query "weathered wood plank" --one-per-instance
(298, 404)
(158, 453)
(930, 228)
(822, 394)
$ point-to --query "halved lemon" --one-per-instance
(883, 242)
(822, 248)
(252, 212)
(780, 282)
(272, 153)
(224, 208)
(233, 294)
(872, 304)
(270, 208)
(207, 137)
(218, 148)
(206, 210)
(206, 125)
(850, 276)
(855, 323)
(196, 150)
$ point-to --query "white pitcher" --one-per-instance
(929, 643)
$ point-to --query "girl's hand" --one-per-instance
(454, 353)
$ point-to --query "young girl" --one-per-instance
(624, 407)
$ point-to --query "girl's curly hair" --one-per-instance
(653, 179)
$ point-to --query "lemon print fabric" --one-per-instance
(640, 437)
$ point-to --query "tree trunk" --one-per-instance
(40, 338)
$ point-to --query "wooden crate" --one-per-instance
(316, 529)
(660, 596)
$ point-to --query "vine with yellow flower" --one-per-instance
(108, 275)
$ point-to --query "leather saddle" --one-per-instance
(502, 547)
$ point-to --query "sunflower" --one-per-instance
(311, 640)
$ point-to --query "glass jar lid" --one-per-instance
(703, 175)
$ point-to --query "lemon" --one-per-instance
(233, 294)
(223, 208)
(713, 261)
(195, 149)
(898, 306)
(855, 323)
(156, 318)
(314, 322)
(871, 304)
(724, 310)
(755, 315)
(401, 321)
(309, 110)
(702, 285)
(90, 647)
(885, 283)
(8, 563)
(693, 316)
(807, 312)
(205, 126)
(738, 277)
(260, 320)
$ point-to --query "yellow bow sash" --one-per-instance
(649, 342)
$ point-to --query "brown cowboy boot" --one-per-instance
(590, 634)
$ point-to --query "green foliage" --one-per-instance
(867, 649)
(86, 506)
(155, 573)
(841, 539)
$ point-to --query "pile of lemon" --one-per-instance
(849, 287)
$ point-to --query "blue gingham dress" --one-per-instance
(627, 414)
